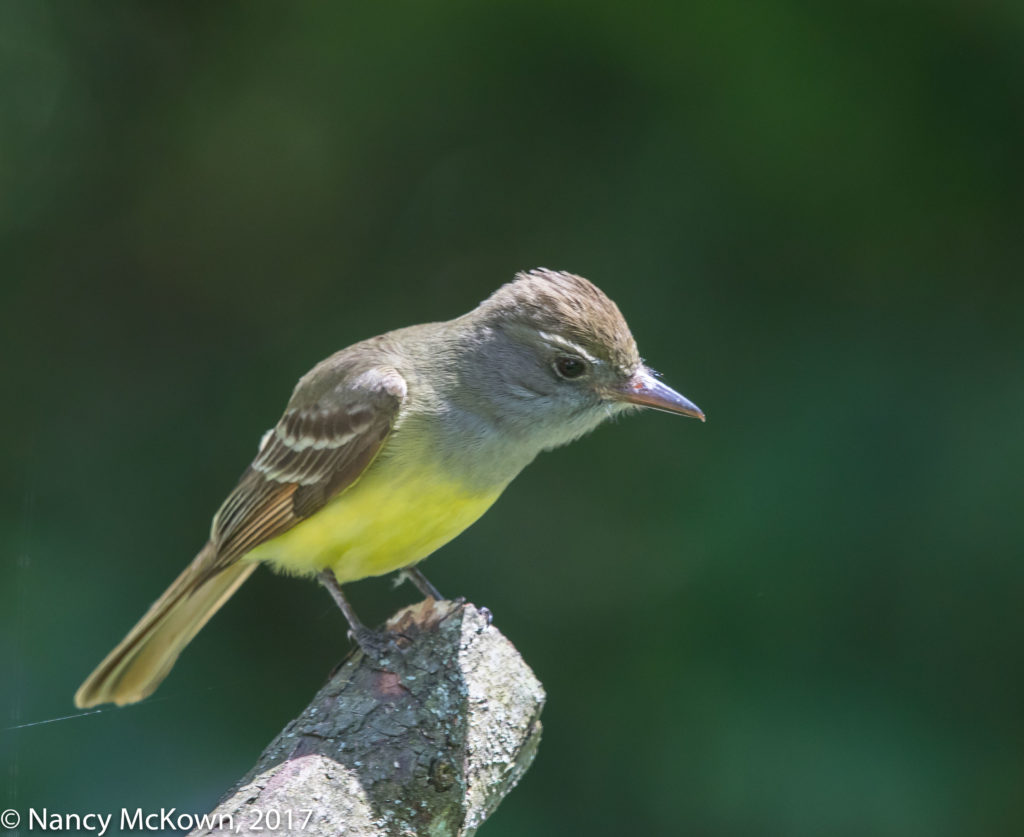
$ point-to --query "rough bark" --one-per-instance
(427, 741)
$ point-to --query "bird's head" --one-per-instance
(563, 359)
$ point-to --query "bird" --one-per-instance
(393, 446)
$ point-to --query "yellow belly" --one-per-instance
(392, 517)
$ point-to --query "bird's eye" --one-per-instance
(570, 367)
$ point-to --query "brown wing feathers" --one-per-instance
(316, 450)
(312, 454)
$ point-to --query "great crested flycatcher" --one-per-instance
(391, 447)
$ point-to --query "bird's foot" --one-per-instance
(377, 645)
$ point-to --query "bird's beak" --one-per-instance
(644, 390)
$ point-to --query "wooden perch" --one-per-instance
(426, 742)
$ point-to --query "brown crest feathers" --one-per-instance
(570, 306)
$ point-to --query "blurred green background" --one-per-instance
(802, 618)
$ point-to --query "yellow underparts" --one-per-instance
(391, 518)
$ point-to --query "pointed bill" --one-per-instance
(644, 390)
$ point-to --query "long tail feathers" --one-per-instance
(144, 658)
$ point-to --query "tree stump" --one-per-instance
(426, 741)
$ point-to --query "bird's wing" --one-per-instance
(318, 448)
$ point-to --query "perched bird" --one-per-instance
(390, 448)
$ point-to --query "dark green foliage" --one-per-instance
(802, 618)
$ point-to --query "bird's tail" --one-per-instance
(144, 658)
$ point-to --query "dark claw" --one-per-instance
(377, 645)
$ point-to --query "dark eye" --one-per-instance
(570, 367)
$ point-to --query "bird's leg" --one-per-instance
(415, 575)
(375, 644)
